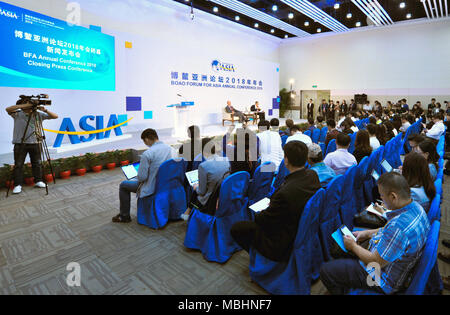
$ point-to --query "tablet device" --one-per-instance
(375, 175)
(131, 170)
(192, 177)
(387, 167)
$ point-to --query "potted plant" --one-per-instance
(124, 157)
(110, 159)
(28, 174)
(93, 161)
(65, 168)
(80, 165)
(48, 176)
(5, 175)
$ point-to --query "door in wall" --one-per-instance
(317, 96)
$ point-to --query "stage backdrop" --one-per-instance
(159, 53)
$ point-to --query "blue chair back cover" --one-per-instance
(348, 209)
(283, 140)
(329, 219)
(438, 185)
(435, 209)
(323, 134)
(331, 146)
(279, 178)
(315, 135)
(307, 133)
(362, 174)
(211, 234)
(351, 148)
(426, 263)
(374, 164)
(261, 183)
(169, 199)
(294, 276)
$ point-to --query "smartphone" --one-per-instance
(375, 175)
(344, 229)
(387, 167)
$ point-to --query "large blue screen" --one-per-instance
(38, 51)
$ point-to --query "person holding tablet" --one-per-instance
(144, 185)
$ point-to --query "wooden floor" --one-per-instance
(40, 235)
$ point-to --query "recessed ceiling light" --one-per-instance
(358, 24)
(408, 16)
(216, 9)
(256, 25)
(402, 5)
(274, 8)
(291, 15)
(272, 31)
(237, 18)
(337, 6)
(319, 30)
(349, 15)
(306, 23)
(286, 36)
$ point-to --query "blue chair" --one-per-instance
(307, 133)
(329, 219)
(211, 233)
(315, 135)
(374, 164)
(351, 148)
(361, 176)
(438, 185)
(261, 183)
(348, 209)
(435, 209)
(197, 161)
(279, 178)
(331, 146)
(294, 276)
(169, 200)
(423, 270)
(323, 134)
(283, 140)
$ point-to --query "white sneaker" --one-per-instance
(17, 189)
(40, 185)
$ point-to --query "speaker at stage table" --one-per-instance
(255, 108)
(234, 112)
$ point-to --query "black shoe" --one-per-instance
(120, 219)
(444, 258)
(446, 243)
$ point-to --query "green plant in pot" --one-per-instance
(5, 174)
(65, 168)
(124, 157)
(110, 159)
(80, 165)
(94, 162)
(48, 176)
(28, 174)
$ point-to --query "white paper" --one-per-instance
(372, 209)
(261, 205)
(130, 171)
(347, 232)
(192, 177)
(387, 167)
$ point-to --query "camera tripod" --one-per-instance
(35, 120)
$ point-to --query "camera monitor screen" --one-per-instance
(42, 52)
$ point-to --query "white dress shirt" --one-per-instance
(374, 143)
(436, 131)
(340, 161)
(270, 147)
(298, 136)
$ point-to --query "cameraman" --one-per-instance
(20, 113)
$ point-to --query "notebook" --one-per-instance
(131, 170)
(192, 177)
(261, 205)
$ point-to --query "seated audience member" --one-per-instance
(390, 130)
(210, 174)
(438, 128)
(332, 131)
(311, 125)
(415, 170)
(381, 134)
(273, 231)
(315, 160)
(289, 125)
(405, 123)
(362, 145)
(144, 185)
(275, 124)
(352, 124)
(346, 127)
(245, 154)
(192, 148)
(374, 142)
(270, 144)
(396, 247)
(297, 135)
(341, 159)
(414, 139)
(428, 150)
(397, 122)
(341, 118)
(320, 123)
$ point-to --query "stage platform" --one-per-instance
(132, 140)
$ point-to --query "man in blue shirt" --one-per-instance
(144, 185)
(393, 250)
(315, 159)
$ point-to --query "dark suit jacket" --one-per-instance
(278, 224)
(310, 107)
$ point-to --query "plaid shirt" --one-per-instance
(400, 242)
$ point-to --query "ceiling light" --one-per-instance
(358, 24)
(286, 36)
(408, 16)
(216, 9)
(272, 31)
(274, 8)
(374, 11)
(319, 30)
(291, 15)
(306, 23)
(349, 15)
(256, 25)
(402, 5)
(237, 18)
(337, 6)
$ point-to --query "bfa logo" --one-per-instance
(8, 14)
(97, 132)
(220, 66)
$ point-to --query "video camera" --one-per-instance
(36, 100)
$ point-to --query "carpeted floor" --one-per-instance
(40, 235)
